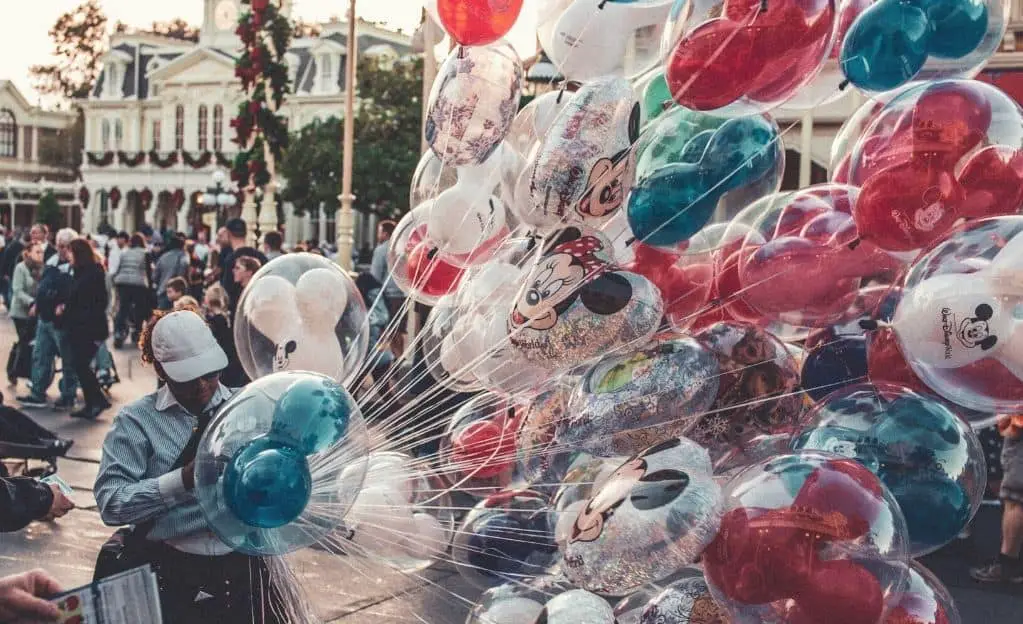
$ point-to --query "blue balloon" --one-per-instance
(886, 46)
(693, 150)
(926, 455)
(312, 415)
(740, 151)
(834, 364)
(672, 204)
(267, 484)
(957, 26)
(501, 545)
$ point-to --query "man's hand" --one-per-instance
(21, 597)
(59, 311)
(32, 311)
(61, 504)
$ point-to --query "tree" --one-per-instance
(302, 28)
(176, 29)
(387, 138)
(80, 39)
(49, 211)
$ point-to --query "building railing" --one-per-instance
(162, 160)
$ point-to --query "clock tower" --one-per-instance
(220, 19)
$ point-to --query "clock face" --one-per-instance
(226, 15)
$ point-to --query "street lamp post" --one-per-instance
(346, 219)
(218, 197)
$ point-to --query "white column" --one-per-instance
(805, 150)
(321, 230)
(119, 215)
(307, 227)
(35, 143)
(291, 224)
(183, 213)
(19, 137)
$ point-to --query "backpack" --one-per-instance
(54, 289)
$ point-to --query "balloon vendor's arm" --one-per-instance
(123, 494)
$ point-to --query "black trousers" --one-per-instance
(229, 589)
(26, 329)
(133, 307)
(82, 353)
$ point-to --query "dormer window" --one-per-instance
(327, 75)
(293, 62)
(114, 80)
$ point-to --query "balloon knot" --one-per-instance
(561, 94)
(430, 255)
(854, 244)
(763, 6)
(601, 5)
(630, 242)
(844, 85)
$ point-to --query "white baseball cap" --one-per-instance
(185, 347)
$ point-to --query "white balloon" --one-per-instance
(459, 223)
(270, 307)
(430, 539)
(321, 297)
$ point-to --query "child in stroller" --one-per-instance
(22, 439)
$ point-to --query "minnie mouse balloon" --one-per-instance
(956, 322)
(587, 39)
(301, 312)
(686, 601)
(653, 515)
(473, 103)
(807, 538)
(478, 22)
(626, 403)
(585, 167)
(575, 304)
(925, 173)
(895, 41)
(739, 57)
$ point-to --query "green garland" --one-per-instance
(260, 67)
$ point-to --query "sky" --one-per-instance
(24, 40)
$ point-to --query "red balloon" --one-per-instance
(847, 492)
(430, 275)
(478, 22)
(713, 66)
(887, 363)
(839, 592)
(992, 181)
(908, 206)
(730, 288)
(484, 448)
(690, 292)
(949, 120)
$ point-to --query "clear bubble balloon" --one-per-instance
(403, 515)
(577, 486)
(467, 226)
(542, 461)
(855, 127)
(740, 57)
(449, 346)
(895, 41)
(587, 40)
(517, 602)
(301, 312)
(807, 538)
(575, 606)
(653, 515)
(473, 103)
(925, 600)
(628, 610)
(937, 153)
(478, 447)
(929, 459)
(509, 535)
(686, 601)
(281, 463)
(415, 263)
(626, 403)
(757, 408)
(957, 322)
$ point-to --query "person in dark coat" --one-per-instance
(23, 500)
(86, 312)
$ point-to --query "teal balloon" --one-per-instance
(957, 26)
(672, 204)
(267, 484)
(694, 149)
(887, 45)
(655, 96)
(741, 151)
(312, 414)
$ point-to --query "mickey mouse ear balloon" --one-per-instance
(738, 57)
(895, 41)
(478, 22)
(586, 39)
(301, 312)
(957, 321)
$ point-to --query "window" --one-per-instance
(326, 72)
(118, 134)
(106, 135)
(218, 127)
(8, 134)
(157, 129)
(204, 129)
(114, 80)
(27, 143)
(179, 128)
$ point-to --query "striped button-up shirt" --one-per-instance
(135, 483)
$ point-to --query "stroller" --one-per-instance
(23, 441)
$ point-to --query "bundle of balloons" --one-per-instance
(684, 395)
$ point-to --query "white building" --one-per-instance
(34, 159)
(157, 124)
